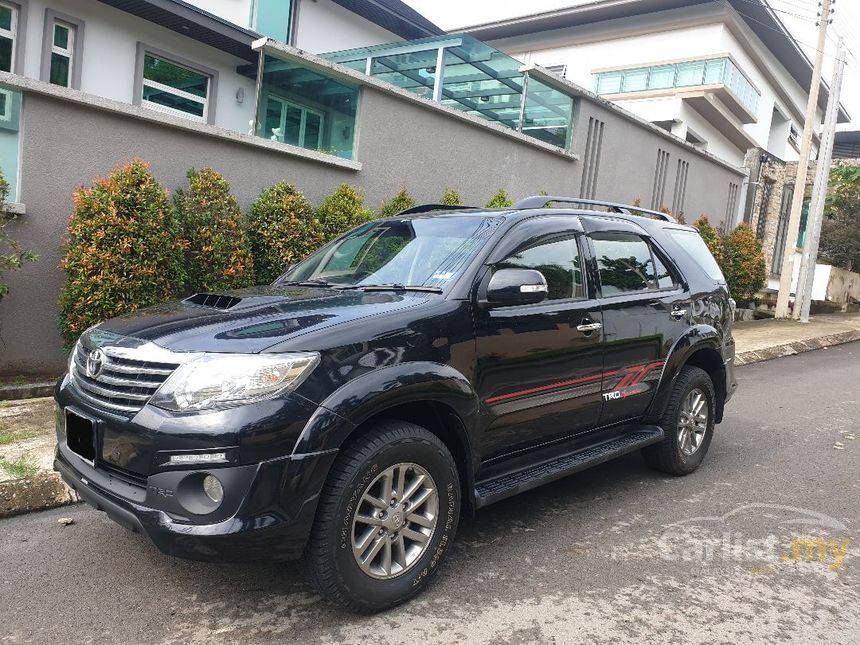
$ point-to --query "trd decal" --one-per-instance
(630, 381)
(633, 381)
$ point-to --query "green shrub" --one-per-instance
(12, 256)
(451, 198)
(282, 229)
(743, 265)
(400, 202)
(123, 250)
(216, 248)
(341, 211)
(499, 200)
(712, 238)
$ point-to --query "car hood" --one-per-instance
(256, 318)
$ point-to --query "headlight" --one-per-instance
(225, 380)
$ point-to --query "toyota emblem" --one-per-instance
(95, 362)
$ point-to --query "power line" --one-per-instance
(810, 17)
(783, 33)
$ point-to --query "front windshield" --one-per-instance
(425, 252)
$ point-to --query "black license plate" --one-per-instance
(81, 436)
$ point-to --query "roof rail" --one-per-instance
(426, 208)
(538, 201)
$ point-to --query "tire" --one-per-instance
(364, 466)
(684, 447)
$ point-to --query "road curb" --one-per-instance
(797, 347)
(26, 391)
(41, 492)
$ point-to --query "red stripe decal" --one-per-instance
(633, 375)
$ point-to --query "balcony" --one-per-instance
(698, 81)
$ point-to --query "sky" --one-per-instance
(799, 17)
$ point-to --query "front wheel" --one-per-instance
(387, 516)
(688, 424)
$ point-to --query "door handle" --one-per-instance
(677, 314)
(586, 326)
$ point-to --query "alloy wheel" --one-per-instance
(692, 421)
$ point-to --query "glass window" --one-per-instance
(10, 119)
(665, 279)
(557, 260)
(661, 77)
(548, 114)
(271, 18)
(625, 263)
(174, 89)
(427, 252)
(635, 80)
(305, 108)
(62, 50)
(696, 248)
(8, 36)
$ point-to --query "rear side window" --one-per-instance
(627, 264)
(695, 246)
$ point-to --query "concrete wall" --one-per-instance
(316, 31)
(404, 142)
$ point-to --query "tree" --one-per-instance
(400, 202)
(12, 255)
(840, 230)
(216, 247)
(743, 265)
(124, 250)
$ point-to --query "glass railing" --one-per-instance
(713, 71)
(466, 74)
(10, 123)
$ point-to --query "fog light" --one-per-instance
(213, 488)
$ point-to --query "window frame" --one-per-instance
(17, 33)
(654, 251)
(74, 53)
(305, 110)
(209, 102)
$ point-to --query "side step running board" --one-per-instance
(508, 484)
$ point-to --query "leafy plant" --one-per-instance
(216, 248)
(341, 211)
(499, 200)
(12, 255)
(451, 198)
(743, 264)
(282, 229)
(123, 250)
(711, 237)
(840, 230)
(400, 202)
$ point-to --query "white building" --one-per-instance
(724, 75)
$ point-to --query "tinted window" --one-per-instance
(693, 244)
(626, 264)
(558, 261)
(664, 276)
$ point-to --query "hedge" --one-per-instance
(123, 252)
(499, 200)
(400, 202)
(217, 254)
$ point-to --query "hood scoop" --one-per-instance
(213, 301)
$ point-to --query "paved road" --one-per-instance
(618, 553)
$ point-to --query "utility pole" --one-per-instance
(803, 296)
(782, 305)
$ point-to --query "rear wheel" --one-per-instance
(387, 516)
(688, 424)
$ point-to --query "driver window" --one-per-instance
(558, 261)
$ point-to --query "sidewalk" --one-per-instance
(27, 437)
(762, 340)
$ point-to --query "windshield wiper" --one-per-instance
(308, 283)
(396, 286)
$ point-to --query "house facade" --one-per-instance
(725, 76)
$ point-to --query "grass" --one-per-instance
(20, 468)
(13, 436)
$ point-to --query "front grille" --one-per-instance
(123, 383)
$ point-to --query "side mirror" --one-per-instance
(516, 287)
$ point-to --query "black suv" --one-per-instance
(416, 368)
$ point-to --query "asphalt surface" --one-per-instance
(615, 554)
